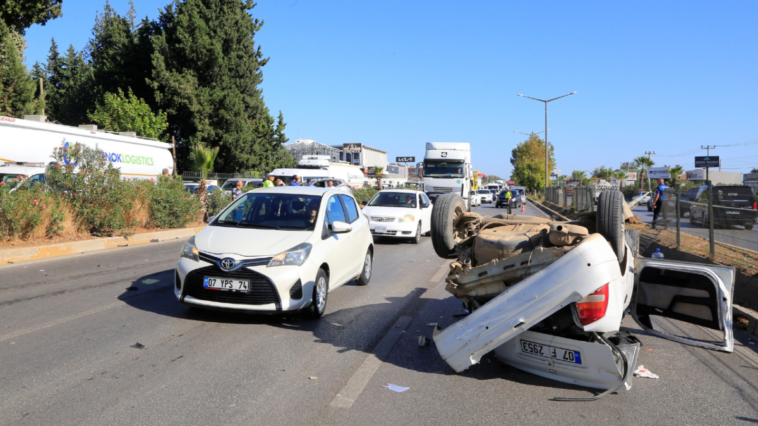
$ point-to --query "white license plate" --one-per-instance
(215, 283)
(381, 229)
(553, 352)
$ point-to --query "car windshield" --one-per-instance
(443, 169)
(272, 211)
(9, 178)
(483, 191)
(393, 199)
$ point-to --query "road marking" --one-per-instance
(444, 269)
(358, 381)
(59, 321)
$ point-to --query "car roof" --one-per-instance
(404, 191)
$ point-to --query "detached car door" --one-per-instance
(692, 293)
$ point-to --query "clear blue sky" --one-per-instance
(651, 76)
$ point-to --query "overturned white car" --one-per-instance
(549, 296)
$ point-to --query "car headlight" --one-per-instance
(190, 250)
(294, 256)
(407, 218)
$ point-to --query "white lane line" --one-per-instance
(358, 381)
(59, 321)
(444, 269)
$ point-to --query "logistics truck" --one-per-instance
(26, 147)
(447, 169)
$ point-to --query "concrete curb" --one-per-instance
(751, 315)
(547, 210)
(13, 255)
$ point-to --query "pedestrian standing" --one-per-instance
(309, 182)
(294, 181)
(508, 197)
(237, 191)
(269, 182)
(660, 197)
(278, 182)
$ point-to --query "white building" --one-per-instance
(362, 155)
(717, 177)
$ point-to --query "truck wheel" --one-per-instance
(446, 209)
(749, 227)
(610, 220)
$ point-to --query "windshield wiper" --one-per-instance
(257, 225)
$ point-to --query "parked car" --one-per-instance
(548, 296)
(732, 205)
(275, 250)
(518, 198)
(399, 213)
(476, 201)
(193, 187)
(485, 196)
(686, 200)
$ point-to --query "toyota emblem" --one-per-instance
(227, 264)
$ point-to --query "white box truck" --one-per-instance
(447, 169)
(27, 146)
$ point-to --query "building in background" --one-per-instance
(302, 147)
(362, 155)
(751, 180)
(717, 177)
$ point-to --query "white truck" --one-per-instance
(26, 147)
(447, 169)
(318, 167)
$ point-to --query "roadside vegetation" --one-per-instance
(85, 196)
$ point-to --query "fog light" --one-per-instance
(296, 292)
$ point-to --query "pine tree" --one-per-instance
(69, 89)
(16, 86)
(206, 76)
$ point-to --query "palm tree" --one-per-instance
(378, 171)
(620, 175)
(675, 172)
(644, 163)
(202, 159)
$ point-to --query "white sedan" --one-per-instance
(275, 250)
(399, 213)
(486, 196)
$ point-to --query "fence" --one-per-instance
(580, 199)
(220, 176)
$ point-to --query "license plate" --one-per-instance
(381, 229)
(732, 212)
(215, 283)
(553, 352)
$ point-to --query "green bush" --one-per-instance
(364, 194)
(20, 211)
(171, 206)
(630, 191)
(216, 201)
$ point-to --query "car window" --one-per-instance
(352, 210)
(334, 210)
(424, 199)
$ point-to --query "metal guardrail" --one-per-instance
(199, 175)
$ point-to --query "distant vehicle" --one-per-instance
(399, 213)
(319, 167)
(476, 200)
(485, 196)
(686, 200)
(518, 197)
(276, 250)
(17, 173)
(732, 205)
(28, 141)
(193, 187)
(447, 169)
(232, 183)
(338, 184)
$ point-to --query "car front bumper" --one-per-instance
(394, 229)
(273, 289)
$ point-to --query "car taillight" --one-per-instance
(593, 307)
(755, 205)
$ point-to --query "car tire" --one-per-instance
(749, 227)
(632, 238)
(417, 238)
(610, 220)
(446, 209)
(368, 264)
(319, 296)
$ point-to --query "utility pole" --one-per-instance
(42, 95)
(173, 145)
(708, 149)
(649, 185)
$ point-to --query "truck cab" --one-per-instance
(447, 169)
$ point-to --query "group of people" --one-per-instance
(272, 181)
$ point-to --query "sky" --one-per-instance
(667, 77)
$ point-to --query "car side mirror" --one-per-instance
(425, 206)
(364, 203)
(341, 228)
(210, 219)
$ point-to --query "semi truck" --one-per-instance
(26, 147)
(447, 169)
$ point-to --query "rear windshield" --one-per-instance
(734, 193)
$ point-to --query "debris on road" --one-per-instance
(137, 345)
(423, 341)
(432, 324)
(395, 388)
(312, 378)
(641, 371)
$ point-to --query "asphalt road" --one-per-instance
(737, 236)
(67, 327)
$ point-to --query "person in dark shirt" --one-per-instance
(660, 197)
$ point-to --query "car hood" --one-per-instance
(575, 275)
(247, 242)
(388, 211)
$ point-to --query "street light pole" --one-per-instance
(547, 150)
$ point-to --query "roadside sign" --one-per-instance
(511, 182)
(659, 173)
(749, 177)
(352, 148)
(405, 159)
(708, 161)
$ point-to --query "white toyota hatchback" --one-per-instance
(399, 213)
(276, 250)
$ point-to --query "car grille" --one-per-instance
(384, 233)
(382, 219)
(442, 189)
(262, 290)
